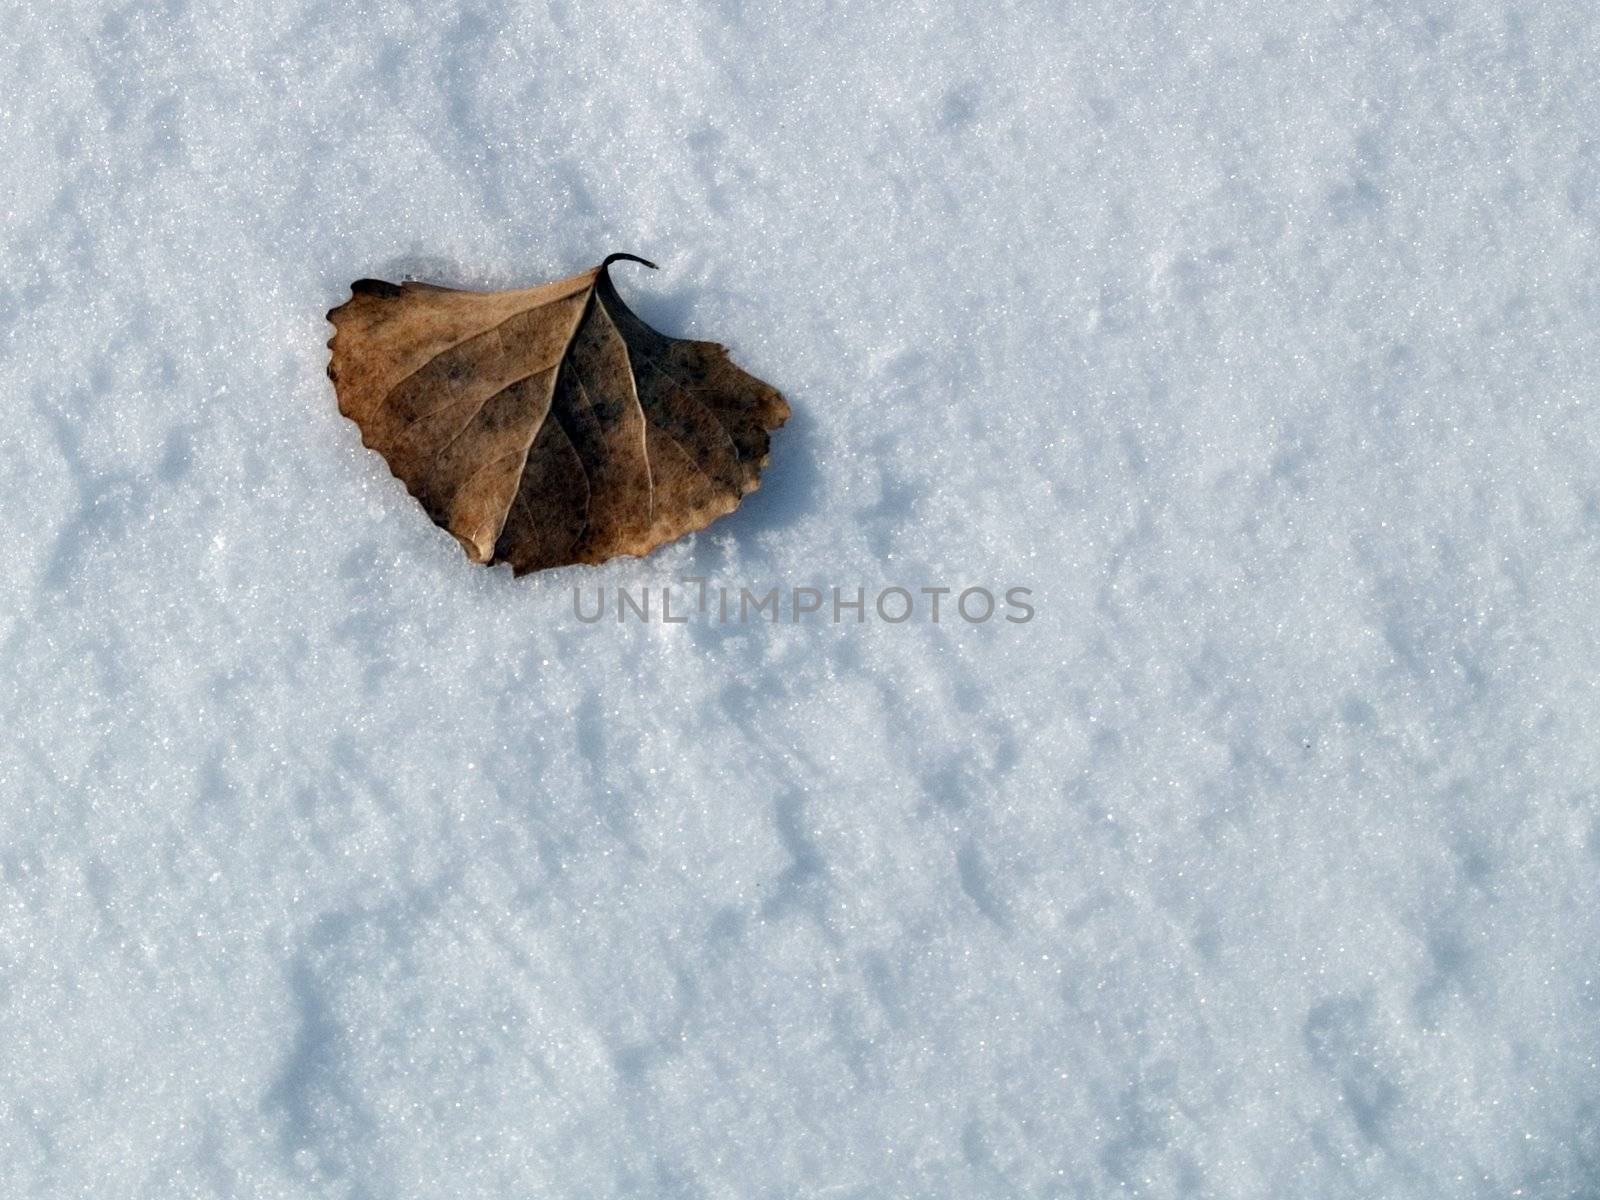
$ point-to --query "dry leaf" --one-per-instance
(548, 426)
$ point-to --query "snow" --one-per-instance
(1259, 341)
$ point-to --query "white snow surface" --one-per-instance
(1258, 339)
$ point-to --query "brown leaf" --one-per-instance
(548, 426)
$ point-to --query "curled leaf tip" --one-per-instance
(611, 258)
